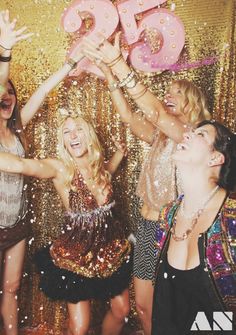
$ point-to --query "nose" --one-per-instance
(73, 134)
(188, 135)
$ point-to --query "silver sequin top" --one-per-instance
(159, 182)
(11, 187)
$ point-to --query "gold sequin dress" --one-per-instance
(91, 259)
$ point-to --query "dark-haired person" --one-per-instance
(196, 235)
(13, 230)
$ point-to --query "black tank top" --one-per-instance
(180, 294)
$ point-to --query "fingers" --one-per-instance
(117, 40)
(24, 37)
(2, 21)
(20, 31)
(13, 24)
(89, 43)
(92, 53)
(6, 16)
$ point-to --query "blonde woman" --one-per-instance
(91, 259)
(162, 126)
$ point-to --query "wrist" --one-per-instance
(121, 70)
(71, 62)
(4, 47)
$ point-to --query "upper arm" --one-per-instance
(32, 106)
(171, 126)
(43, 169)
(141, 127)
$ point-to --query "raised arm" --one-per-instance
(32, 106)
(139, 126)
(9, 36)
(152, 107)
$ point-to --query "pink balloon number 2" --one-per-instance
(105, 20)
(155, 41)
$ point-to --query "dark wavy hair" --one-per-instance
(14, 123)
(225, 143)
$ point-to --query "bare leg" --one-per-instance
(12, 272)
(79, 318)
(144, 299)
(115, 317)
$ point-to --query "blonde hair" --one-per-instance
(95, 152)
(195, 101)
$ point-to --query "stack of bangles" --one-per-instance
(5, 58)
(130, 81)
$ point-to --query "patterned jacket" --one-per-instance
(219, 248)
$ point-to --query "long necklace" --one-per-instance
(194, 217)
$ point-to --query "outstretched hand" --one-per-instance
(9, 36)
(103, 50)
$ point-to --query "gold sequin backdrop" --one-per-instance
(210, 31)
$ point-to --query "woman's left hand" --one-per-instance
(104, 50)
(9, 36)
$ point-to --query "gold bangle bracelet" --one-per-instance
(115, 61)
(71, 62)
(139, 95)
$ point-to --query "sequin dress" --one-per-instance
(91, 259)
(13, 202)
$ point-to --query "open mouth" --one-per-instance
(5, 104)
(170, 104)
(75, 144)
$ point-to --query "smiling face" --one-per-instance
(175, 100)
(8, 102)
(197, 147)
(74, 137)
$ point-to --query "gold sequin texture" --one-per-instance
(101, 264)
(210, 31)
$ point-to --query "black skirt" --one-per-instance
(61, 284)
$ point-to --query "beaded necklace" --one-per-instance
(194, 216)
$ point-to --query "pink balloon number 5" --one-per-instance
(105, 20)
(155, 41)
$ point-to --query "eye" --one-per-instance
(200, 133)
(66, 132)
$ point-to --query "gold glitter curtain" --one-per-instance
(210, 31)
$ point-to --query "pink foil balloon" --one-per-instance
(157, 40)
(105, 20)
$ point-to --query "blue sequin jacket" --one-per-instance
(219, 248)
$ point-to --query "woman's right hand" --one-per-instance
(9, 36)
